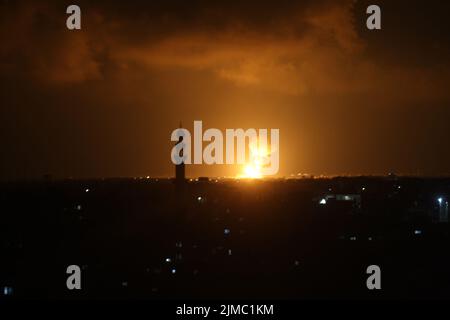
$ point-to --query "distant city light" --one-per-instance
(440, 200)
(168, 260)
(87, 190)
(323, 201)
(353, 238)
(7, 291)
(417, 232)
(363, 188)
(229, 252)
(226, 231)
(174, 271)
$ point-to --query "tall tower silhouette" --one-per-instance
(180, 171)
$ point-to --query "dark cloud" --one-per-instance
(292, 47)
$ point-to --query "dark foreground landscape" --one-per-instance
(153, 239)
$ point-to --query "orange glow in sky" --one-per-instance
(253, 168)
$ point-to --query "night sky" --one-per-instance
(103, 101)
